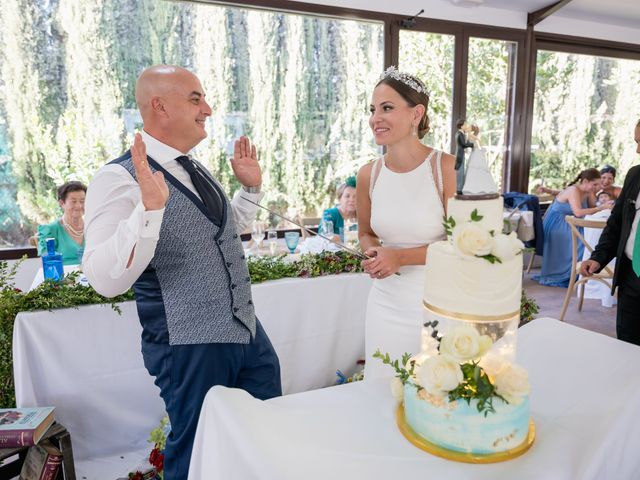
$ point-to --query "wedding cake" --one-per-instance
(463, 396)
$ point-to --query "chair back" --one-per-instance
(308, 222)
(575, 224)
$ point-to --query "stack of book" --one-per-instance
(24, 427)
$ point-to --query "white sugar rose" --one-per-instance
(503, 248)
(512, 383)
(516, 243)
(491, 363)
(397, 389)
(439, 375)
(471, 240)
(464, 343)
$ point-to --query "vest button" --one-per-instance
(220, 242)
(228, 264)
(233, 285)
(250, 302)
(242, 257)
(235, 309)
(248, 279)
(235, 235)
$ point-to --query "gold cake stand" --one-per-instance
(456, 456)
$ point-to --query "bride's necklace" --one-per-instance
(71, 230)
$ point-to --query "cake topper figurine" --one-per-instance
(478, 179)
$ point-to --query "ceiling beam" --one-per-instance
(533, 18)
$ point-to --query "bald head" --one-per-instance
(157, 81)
(172, 105)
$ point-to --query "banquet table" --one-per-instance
(595, 289)
(87, 361)
(584, 395)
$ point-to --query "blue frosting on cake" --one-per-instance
(460, 427)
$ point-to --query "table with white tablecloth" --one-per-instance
(585, 392)
(595, 289)
(87, 361)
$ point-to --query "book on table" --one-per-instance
(22, 427)
(42, 462)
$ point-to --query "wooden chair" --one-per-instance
(605, 276)
(308, 222)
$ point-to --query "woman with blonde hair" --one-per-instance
(401, 200)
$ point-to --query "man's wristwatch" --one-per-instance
(255, 189)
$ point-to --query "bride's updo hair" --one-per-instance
(411, 96)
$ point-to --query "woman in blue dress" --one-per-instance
(577, 200)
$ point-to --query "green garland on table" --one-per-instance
(68, 293)
(48, 295)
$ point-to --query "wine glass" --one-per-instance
(272, 241)
(257, 234)
(292, 239)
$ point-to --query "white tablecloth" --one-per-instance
(585, 392)
(87, 361)
(595, 289)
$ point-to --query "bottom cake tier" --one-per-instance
(459, 427)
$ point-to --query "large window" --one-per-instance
(490, 98)
(430, 56)
(585, 110)
(298, 85)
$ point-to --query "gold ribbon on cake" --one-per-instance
(468, 317)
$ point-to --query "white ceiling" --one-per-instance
(615, 20)
(625, 13)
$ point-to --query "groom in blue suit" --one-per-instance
(157, 220)
(620, 239)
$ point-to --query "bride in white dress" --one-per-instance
(401, 201)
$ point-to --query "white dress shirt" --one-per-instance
(116, 221)
(634, 230)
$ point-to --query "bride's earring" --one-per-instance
(414, 131)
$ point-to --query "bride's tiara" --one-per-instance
(410, 81)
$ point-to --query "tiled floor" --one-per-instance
(592, 317)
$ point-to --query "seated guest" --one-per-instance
(68, 230)
(346, 208)
(607, 178)
(576, 199)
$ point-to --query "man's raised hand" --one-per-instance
(153, 187)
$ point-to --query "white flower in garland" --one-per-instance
(464, 343)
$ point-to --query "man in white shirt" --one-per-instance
(620, 240)
(158, 221)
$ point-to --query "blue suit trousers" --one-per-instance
(185, 373)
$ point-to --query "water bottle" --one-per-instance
(52, 262)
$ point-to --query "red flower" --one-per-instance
(136, 476)
(17, 290)
(156, 458)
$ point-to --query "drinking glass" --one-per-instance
(350, 232)
(272, 241)
(257, 234)
(326, 228)
(292, 239)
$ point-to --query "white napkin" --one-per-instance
(317, 245)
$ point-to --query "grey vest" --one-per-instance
(196, 288)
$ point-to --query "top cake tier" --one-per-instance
(477, 276)
(490, 210)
